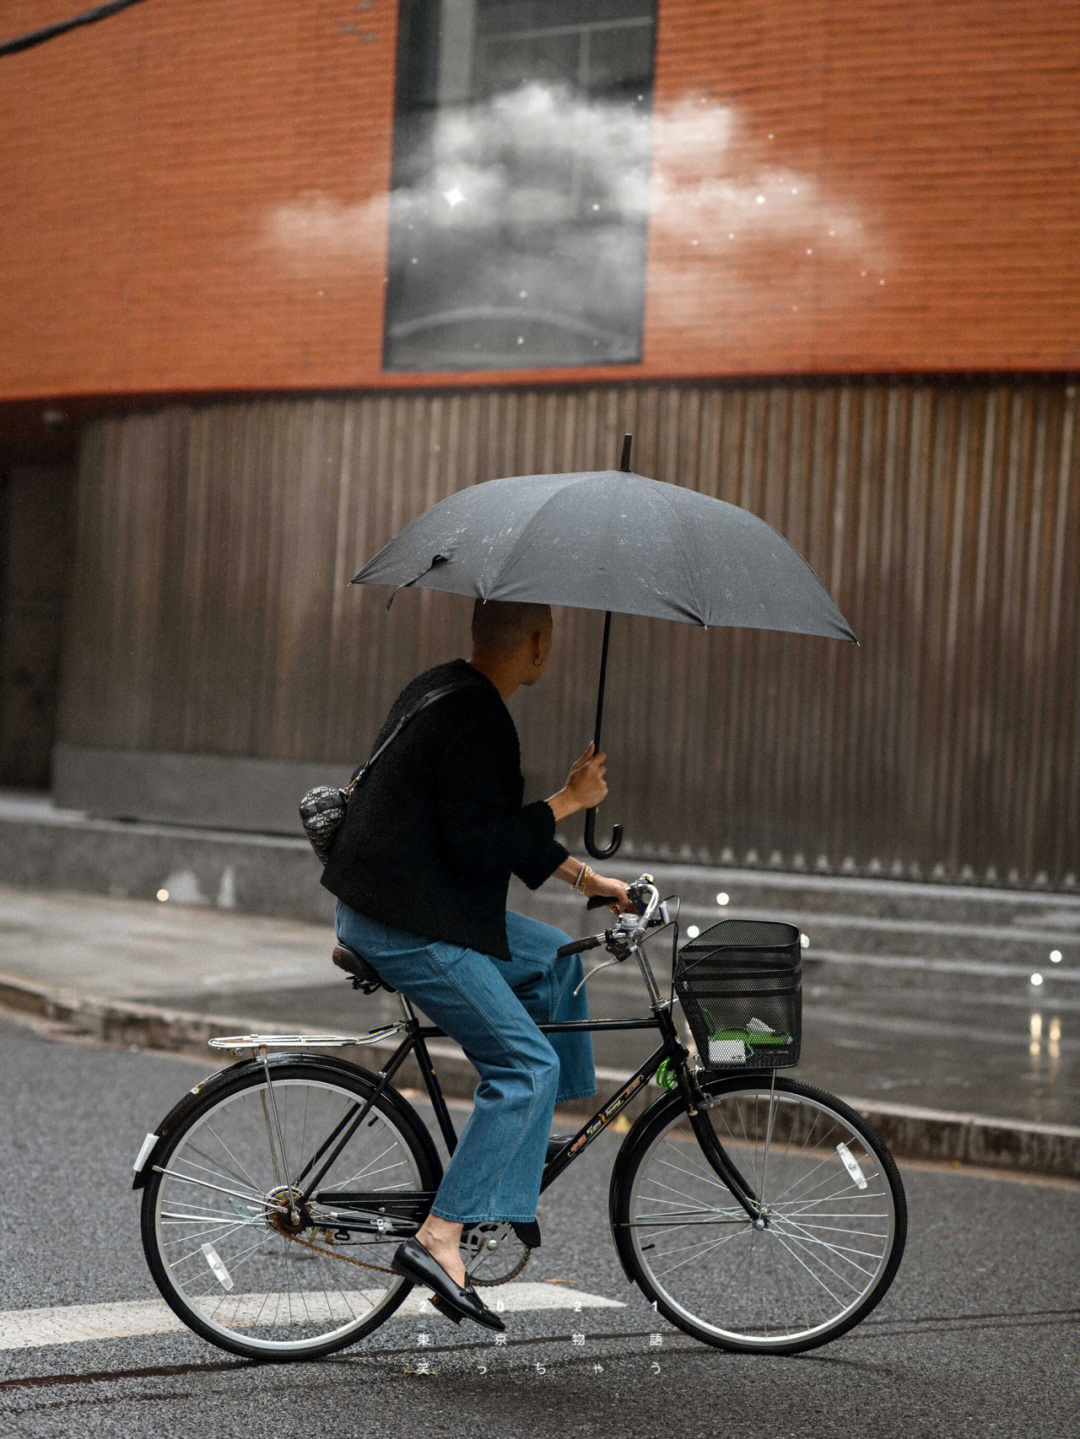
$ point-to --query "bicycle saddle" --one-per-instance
(363, 974)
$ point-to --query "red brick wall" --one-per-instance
(940, 141)
(194, 195)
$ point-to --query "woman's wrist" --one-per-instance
(562, 805)
(583, 880)
(571, 870)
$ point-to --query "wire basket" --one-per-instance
(740, 986)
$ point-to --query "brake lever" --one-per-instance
(596, 967)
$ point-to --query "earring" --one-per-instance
(537, 662)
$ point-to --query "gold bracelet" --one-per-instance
(582, 878)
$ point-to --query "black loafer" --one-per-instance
(454, 1300)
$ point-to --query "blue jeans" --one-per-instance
(491, 1008)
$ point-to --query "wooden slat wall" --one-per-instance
(212, 611)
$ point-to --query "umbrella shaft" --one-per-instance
(603, 676)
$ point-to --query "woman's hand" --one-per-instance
(586, 785)
(613, 889)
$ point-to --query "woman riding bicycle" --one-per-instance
(421, 869)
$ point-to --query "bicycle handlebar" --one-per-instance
(645, 894)
(592, 941)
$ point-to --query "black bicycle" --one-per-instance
(755, 1212)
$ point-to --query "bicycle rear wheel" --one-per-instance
(833, 1232)
(225, 1251)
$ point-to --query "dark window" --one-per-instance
(521, 171)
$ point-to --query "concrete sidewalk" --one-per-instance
(953, 1057)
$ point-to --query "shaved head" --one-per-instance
(500, 627)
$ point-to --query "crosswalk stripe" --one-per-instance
(84, 1323)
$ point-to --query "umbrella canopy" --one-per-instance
(610, 540)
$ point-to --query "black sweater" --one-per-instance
(434, 830)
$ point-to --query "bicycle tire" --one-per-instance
(196, 1151)
(731, 1297)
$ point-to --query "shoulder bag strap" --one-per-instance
(402, 722)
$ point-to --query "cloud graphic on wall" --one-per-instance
(580, 182)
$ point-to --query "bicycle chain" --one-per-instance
(382, 1268)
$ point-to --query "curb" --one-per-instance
(910, 1133)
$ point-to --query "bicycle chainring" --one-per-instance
(492, 1252)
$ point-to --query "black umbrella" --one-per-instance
(615, 541)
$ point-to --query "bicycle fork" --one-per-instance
(722, 1163)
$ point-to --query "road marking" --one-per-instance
(84, 1323)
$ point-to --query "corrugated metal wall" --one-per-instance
(212, 612)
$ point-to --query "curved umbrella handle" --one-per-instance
(590, 837)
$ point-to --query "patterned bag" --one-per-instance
(322, 809)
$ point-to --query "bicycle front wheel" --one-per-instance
(815, 1263)
(234, 1249)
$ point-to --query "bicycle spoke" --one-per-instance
(658, 1199)
(718, 1216)
(701, 1246)
(231, 1155)
(716, 1244)
(171, 1216)
(842, 1251)
(838, 1194)
(708, 1178)
(189, 1238)
(835, 1228)
(819, 1260)
(219, 1174)
(190, 1179)
(817, 1280)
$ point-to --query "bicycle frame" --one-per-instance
(396, 1214)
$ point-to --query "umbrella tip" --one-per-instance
(624, 462)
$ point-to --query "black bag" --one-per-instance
(322, 809)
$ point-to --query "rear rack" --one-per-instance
(304, 1041)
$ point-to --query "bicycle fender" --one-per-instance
(155, 1142)
(662, 1103)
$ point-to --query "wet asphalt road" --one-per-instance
(978, 1335)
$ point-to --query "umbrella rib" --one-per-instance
(688, 573)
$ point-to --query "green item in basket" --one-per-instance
(754, 1038)
(736, 1045)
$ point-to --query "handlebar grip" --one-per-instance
(576, 946)
(598, 900)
